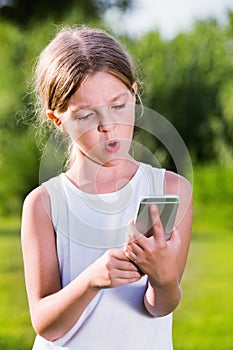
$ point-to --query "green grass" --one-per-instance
(15, 327)
(203, 320)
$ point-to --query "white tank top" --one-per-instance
(87, 225)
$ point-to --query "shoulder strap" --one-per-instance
(57, 201)
(155, 178)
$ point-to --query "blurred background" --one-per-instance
(184, 57)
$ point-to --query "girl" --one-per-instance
(93, 280)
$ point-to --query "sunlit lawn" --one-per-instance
(15, 328)
(203, 320)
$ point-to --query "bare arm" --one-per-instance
(164, 261)
(54, 310)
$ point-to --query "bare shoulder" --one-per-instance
(177, 184)
(36, 215)
(38, 201)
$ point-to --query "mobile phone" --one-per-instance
(167, 206)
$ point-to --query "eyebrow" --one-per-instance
(123, 94)
(83, 106)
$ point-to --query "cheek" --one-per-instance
(78, 132)
(127, 132)
(87, 139)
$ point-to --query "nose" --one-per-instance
(106, 122)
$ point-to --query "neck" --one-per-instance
(96, 178)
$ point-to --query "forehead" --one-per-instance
(97, 89)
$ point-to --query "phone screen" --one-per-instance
(167, 206)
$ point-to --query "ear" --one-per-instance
(135, 87)
(51, 116)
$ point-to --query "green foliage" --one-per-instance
(12, 87)
(17, 154)
(19, 150)
(26, 12)
(213, 184)
(189, 80)
(213, 197)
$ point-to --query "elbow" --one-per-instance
(155, 311)
(161, 309)
(44, 330)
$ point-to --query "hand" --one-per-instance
(153, 255)
(113, 269)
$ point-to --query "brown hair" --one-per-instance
(66, 61)
(70, 57)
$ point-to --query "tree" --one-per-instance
(24, 12)
(189, 80)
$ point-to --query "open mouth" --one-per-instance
(112, 146)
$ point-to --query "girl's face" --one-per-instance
(100, 118)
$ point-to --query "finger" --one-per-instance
(119, 278)
(135, 246)
(133, 250)
(127, 266)
(175, 237)
(120, 261)
(157, 228)
(127, 270)
(123, 281)
(131, 255)
(117, 254)
(135, 235)
(128, 274)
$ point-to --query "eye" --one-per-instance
(84, 116)
(118, 106)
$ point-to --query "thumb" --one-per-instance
(157, 228)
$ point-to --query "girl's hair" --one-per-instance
(70, 57)
(67, 60)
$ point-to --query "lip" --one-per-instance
(112, 146)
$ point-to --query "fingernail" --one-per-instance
(153, 208)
